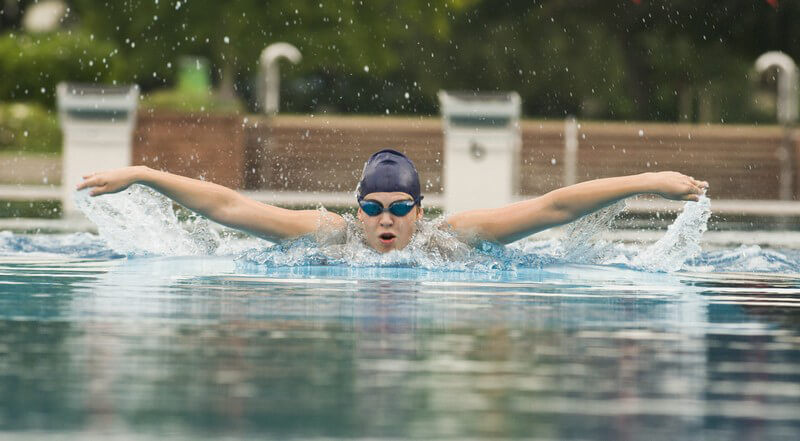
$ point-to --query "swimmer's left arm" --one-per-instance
(515, 221)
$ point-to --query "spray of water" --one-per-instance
(432, 247)
(582, 242)
(681, 242)
(141, 222)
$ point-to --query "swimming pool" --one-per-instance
(230, 344)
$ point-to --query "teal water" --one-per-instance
(107, 347)
(165, 328)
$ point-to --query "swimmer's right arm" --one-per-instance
(216, 202)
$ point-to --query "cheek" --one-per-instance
(366, 221)
(410, 226)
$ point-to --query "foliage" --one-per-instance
(679, 60)
(176, 100)
(32, 65)
(29, 128)
(30, 209)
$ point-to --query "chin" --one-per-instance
(381, 248)
(385, 248)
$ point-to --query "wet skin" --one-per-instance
(386, 232)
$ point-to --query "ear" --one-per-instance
(360, 214)
(420, 212)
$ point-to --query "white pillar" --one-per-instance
(97, 124)
(482, 141)
(570, 150)
(787, 114)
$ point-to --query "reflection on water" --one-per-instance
(184, 348)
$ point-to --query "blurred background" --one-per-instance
(624, 60)
(677, 62)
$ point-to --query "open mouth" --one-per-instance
(386, 237)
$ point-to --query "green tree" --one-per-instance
(643, 59)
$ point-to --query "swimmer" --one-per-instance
(390, 203)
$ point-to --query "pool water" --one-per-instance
(210, 346)
(166, 329)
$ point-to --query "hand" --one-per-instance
(677, 186)
(111, 181)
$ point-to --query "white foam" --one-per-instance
(681, 241)
(140, 221)
(582, 243)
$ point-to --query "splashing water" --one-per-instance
(582, 243)
(681, 242)
(432, 247)
(83, 245)
(748, 258)
(141, 222)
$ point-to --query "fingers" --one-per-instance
(100, 185)
(701, 184)
(100, 189)
(696, 187)
(678, 186)
(689, 197)
(695, 191)
(91, 181)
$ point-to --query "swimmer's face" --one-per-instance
(386, 232)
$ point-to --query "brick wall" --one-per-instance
(210, 147)
(321, 153)
(327, 154)
(739, 162)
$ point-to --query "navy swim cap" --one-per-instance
(389, 171)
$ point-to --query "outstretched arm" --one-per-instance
(518, 220)
(218, 203)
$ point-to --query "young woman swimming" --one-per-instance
(390, 203)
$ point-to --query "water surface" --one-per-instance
(196, 347)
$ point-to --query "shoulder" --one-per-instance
(330, 227)
(332, 220)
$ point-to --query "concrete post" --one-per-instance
(97, 124)
(482, 140)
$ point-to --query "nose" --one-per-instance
(386, 219)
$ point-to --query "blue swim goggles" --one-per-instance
(397, 208)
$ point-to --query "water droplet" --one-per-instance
(366, 68)
(227, 40)
(641, 132)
